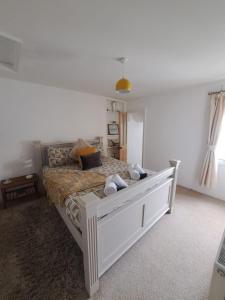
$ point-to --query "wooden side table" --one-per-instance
(18, 187)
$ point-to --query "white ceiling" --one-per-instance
(73, 43)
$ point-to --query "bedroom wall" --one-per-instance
(32, 112)
(177, 127)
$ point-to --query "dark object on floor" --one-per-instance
(39, 257)
(19, 187)
(143, 175)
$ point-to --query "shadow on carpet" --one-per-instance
(39, 258)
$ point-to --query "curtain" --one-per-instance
(209, 171)
(123, 135)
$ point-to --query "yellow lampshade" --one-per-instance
(123, 86)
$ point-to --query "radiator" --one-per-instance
(217, 289)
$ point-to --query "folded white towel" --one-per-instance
(119, 181)
(110, 186)
(134, 174)
(138, 168)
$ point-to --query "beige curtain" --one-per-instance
(123, 135)
(209, 171)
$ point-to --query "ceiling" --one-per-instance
(73, 44)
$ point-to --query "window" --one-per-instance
(220, 149)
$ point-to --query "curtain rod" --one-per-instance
(217, 92)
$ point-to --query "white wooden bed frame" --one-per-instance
(111, 226)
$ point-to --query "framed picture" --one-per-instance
(113, 129)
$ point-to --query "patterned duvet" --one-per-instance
(109, 166)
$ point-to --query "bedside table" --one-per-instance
(19, 187)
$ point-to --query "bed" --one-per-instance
(106, 227)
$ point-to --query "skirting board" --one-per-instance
(200, 193)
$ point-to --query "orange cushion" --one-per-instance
(85, 151)
(78, 145)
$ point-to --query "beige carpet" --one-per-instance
(40, 260)
(174, 260)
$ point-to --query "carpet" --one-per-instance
(173, 261)
(38, 256)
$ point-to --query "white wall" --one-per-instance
(31, 112)
(177, 128)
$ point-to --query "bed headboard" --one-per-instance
(96, 142)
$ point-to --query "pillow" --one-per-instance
(77, 145)
(85, 151)
(59, 156)
(91, 160)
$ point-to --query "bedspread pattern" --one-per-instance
(109, 166)
(66, 182)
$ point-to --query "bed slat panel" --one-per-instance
(120, 230)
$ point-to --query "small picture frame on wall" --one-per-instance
(113, 129)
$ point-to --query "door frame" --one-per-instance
(144, 113)
(144, 140)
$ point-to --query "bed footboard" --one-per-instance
(111, 226)
(118, 231)
(89, 204)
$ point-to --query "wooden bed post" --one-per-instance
(175, 164)
(88, 210)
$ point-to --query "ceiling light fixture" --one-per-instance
(123, 86)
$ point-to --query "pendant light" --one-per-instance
(123, 86)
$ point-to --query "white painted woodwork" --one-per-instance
(175, 164)
(89, 205)
(132, 192)
(111, 226)
(118, 231)
(156, 202)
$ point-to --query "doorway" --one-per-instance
(135, 137)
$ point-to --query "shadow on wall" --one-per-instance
(28, 162)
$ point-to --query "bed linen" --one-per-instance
(64, 183)
(68, 197)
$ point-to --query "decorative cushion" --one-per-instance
(91, 160)
(59, 156)
(85, 151)
(78, 145)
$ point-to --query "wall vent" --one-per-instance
(9, 52)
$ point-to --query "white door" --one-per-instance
(135, 135)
